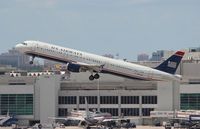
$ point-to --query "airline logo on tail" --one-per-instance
(172, 64)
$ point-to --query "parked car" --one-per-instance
(129, 125)
(168, 125)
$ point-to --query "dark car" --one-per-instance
(168, 125)
(185, 124)
(157, 123)
(129, 125)
(195, 126)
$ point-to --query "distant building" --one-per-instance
(157, 56)
(14, 58)
(143, 57)
(6, 68)
(194, 49)
(191, 54)
(108, 55)
(161, 55)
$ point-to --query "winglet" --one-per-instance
(172, 63)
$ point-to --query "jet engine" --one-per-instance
(74, 67)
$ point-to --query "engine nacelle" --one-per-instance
(73, 67)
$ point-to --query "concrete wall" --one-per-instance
(168, 96)
(176, 95)
(191, 88)
(37, 99)
(16, 89)
(49, 86)
(191, 70)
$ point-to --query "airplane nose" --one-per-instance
(19, 47)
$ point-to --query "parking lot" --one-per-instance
(74, 127)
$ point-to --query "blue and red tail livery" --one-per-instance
(172, 63)
(180, 53)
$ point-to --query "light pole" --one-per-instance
(98, 98)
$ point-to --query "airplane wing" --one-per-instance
(105, 120)
(67, 118)
(116, 119)
(95, 67)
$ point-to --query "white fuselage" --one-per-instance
(113, 66)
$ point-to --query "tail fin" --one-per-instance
(172, 63)
(87, 108)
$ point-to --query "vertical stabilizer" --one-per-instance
(171, 64)
(87, 109)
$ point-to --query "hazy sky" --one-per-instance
(127, 27)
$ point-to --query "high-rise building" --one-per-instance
(161, 54)
(143, 57)
(194, 49)
(14, 58)
(157, 56)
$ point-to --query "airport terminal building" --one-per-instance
(34, 98)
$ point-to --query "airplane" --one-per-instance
(88, 118)
(78, 61)
(7, 120)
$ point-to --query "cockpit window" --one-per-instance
(24, 44)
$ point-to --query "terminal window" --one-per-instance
(62, 112)
(146, 111)
(129, 99)
(90, 99)
(149, 99)
(109, 100)
(130, 111)
(17, 104)
(190, 101)
(67, 100)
